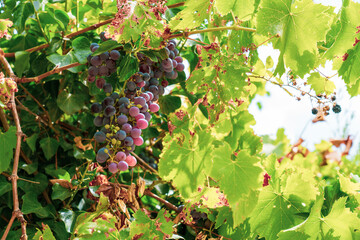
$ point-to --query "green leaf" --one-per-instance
(7, 145)
(343, 32)
(60, 192)
(21, 62)
(81, 46)
(70, 103)
(169, 104)
(44, 234)
(349, 187)
(237, 179)
(187, 162)
(192, 16)
(351, 74)
(63, 17)
(241, 8)
(30, 168)
(32, 205)
(68, 217)
(31, 141)
(150, 229)
(321, 84)
(21, 13)
(5, 186)
(297, 42)
(106, 46)
(49, 147)
(61, 61)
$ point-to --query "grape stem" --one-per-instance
(14, 177)
(144, 164)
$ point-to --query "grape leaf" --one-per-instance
(70, 103)
(343, 32)
(297, 42)
(186, 163)
(240, 8)
(44, 234)
(320, 84)
(7, 145)
(49, 147)
(22, 63)
(194, 14)
(349, 187)
(349, 72)
(237, 179)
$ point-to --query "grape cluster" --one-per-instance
(102, 65)
(149, 160)
(123, 116)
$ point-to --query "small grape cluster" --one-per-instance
(123, 116)
(102, 65)
(149, 160)
(336, 108)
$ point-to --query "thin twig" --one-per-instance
(175, 5)
(14, 177)
(169, 205)
(144, 164)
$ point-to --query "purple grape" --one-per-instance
(102, 155)
(140, 116)
(111, 64)
(98, 121)
(93, 71)
(151, 95)
(109, 111)
(158, 74)
(135, 132)
(170, 74)
(180, 67)
(134, 111)
(123, 166)
(138, 141)
(103, 71)
(174, 76)
(154, 107)
(166, 63)
(115, 54)
(95, 61)
(123, 109)
(104, 56)
(178, 59)
(161, 90)
(126, 127)
(154, 81)
(113, 167)
(106, 120)
(131, 161)
(176, 52)
(147, 116)
(174, 62)
(131, 86)
(172, 55)
(154, 89)
(115, 96)
(145, 96)
(141, 84)
(122, 119)
(146, 77)
(108, 101)
(124, 100)
(107, 88)
(100, 137)
(128, 141)
(171, 46)
(144, 108)
(142, 123)
(92, 45)
(120, 156)
(100, 82)
(91, 78)
(145, 68)
(96, 108)
(120, 135)
(140, 100)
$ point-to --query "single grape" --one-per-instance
(114, 54)
(134, 111)
(174, 62)
(166, 63)
(164, 83)
(115, 96)
(93, 71)
(107, 88)
(154, 107)
(109, 111)
(120, 156)
(172, 55)
(113, 167)
(111, 64)
(102, 155)
(141, 84)
(100, 137)
(144, 108)
(176, 52)
(98, 121)
(108, 101)
(131, 86)
(96, 61)
(180, 67)
(91, 78)
(122, 119)
(131, 161)
(123, 109)
(336, 108)
(145, 96)
(124, 100)
(145, 68)
(102, 37)
(154, 89)
(179, 59)
(140, 116)
(126, 127)
(135, 132)
(121, 135)
(147, 116)
(104, 56)
(96, 108)
(175, 75)
(106, 120)
(138, 141)
(100, 82)
(93, 45)
(103, 71)
(154, 81)
(146, 76)
(167, 51)
(142, 123)
(128, 141)
(139, 77)
(151, 95)
(314, 111)
(161, 90)
(170, 74)
(123, 166)
(171, 46)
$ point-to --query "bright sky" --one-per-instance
(280, 110)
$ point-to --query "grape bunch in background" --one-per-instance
(124, 115)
